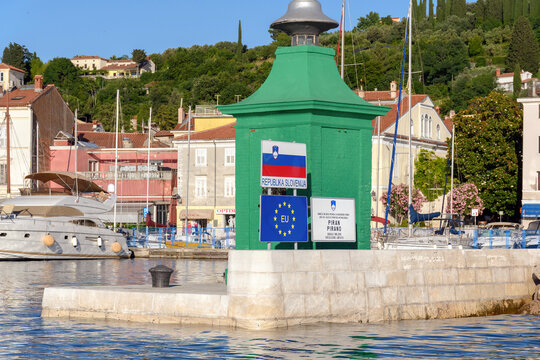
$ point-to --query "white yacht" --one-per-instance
(59, 223)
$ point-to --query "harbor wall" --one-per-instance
(268, 289)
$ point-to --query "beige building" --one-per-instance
(10, 77)
(530, 197)
(206, 176)
(428, 132)
(89, 62)
(113, 69)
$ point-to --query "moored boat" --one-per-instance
(59, 223)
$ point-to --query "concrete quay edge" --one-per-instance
(268, 289)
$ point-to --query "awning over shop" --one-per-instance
(530, 210)
(197, 214)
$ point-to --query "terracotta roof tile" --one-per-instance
(164, 133)
(84, 127)
(120, 67)
(223, 132)
(107, 139)
(6, 66)
(24, 97)
(183, 126)
(86, 57)
(390, 117)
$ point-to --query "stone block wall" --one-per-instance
(269, 289)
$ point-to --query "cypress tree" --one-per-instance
(525, 8)
(239, 46)
(449, 7)
(441, 10)
(518, 8)
(430, 10)
(517, 81)
(460, 7)
(480, 11)
(523, 50)
(508, 11)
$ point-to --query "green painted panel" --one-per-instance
(304, 100)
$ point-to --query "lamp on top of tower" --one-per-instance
(304, 21)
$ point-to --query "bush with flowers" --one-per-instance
(399, 201)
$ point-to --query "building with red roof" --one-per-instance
(36, 115)
(113, 69)
(429, 132)
(10, 77)
(505, 82)
(96, 153)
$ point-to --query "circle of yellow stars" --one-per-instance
(284, 209)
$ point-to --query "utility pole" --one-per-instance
(217, 99)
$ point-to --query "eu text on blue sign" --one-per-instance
(283, 165)
(283, 219)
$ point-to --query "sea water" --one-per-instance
(25, 335)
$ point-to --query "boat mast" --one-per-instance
(187, 177)
(452, 175)
(410, 122)
(343, 40)
(76, 182)
(116, 155)
(148, 164)
(8, 154)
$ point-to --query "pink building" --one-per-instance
(96, 160)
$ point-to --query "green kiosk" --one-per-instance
(304, 100)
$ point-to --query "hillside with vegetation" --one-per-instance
(456, 48)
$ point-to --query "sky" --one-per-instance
(66, 28)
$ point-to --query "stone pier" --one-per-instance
(268, 289)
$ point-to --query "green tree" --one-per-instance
(139, 57)
(431, 14)
(441, 10)
(371, 19)
(443, 58)
(239, 45)
(471, 83)
(523, 49)
(37, 67)
(429, 174)
(516, 81)
(508, 11)
(488, 150)
(62, 73)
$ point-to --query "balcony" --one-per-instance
(128, 175)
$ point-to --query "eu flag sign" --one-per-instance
(283, 219)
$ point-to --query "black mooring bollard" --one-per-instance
(161, 276)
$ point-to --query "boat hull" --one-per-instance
(22, 239)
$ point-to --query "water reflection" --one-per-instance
(24, 334)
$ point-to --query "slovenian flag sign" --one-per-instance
(283, 165)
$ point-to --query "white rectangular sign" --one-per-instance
(333, 220)
(283, 165)
(474, 212)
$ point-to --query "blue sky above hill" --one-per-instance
(62, 28)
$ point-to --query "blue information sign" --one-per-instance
(144, 212)
(283, 219)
